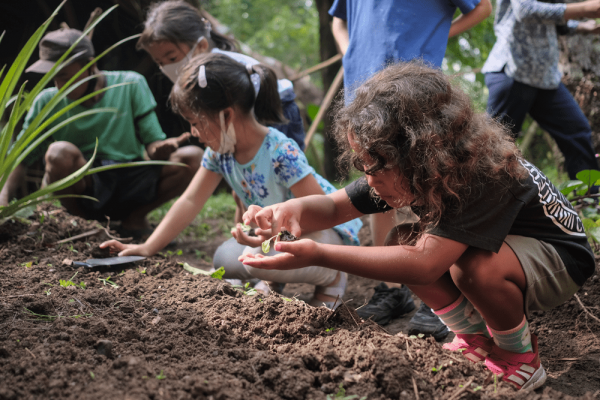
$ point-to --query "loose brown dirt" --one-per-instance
(165, 334)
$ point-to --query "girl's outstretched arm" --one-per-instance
(422, 264)
(183, 211)
(304, 214)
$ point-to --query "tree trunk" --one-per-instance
(328, 49)
(580, 63)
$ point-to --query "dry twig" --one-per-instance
(585, 308)
(460, 391)
(30, 352)
(415, 387)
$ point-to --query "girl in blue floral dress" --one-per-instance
(222, 100)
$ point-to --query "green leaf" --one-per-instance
(218, 274)
(588, 176)
(266, 246)
(569, 186)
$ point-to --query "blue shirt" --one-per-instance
(266, 179)
(387, 31)
(526, 41)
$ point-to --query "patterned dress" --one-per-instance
(266, 180)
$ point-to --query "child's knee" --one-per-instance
(472, 269)
(64, 155)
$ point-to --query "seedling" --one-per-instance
(266, 245)
(170, 253)
(341, 394)
(246, 228)
(48, 292)
(286, 299)
(42, 218)
(72, 249)
(107, 280)
(329, 329)
(92, 375)
(72, 301)
(283, 236)
(141, 271)
(218, 274)
(246, 289)
(495, 383)
(161, 375)
(70, 282)
(27, 264)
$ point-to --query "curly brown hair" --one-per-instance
(411, 116)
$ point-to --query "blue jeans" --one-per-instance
(555, 110)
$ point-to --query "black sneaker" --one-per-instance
(387, 304)
(426, 322)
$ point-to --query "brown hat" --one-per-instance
(55, 44)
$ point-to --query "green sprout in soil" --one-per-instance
(161, 375)
(72, 249)
(246, 289)
(170, 253)
(107, 280)
(141, 271)
(329, 329)
(27, 264)
(48, 293)
(218, 274)
(70, 282)
(92, 375)
(341, 394)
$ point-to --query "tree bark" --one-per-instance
(580, 64)
(328, 49)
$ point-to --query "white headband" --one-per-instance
(202, 82)
(254, 78)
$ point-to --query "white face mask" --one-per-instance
(172, 70)
(228, 139)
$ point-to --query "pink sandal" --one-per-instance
(474, 347)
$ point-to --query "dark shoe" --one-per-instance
(387, 304)
(426, 322)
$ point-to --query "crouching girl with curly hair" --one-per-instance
(495, 241)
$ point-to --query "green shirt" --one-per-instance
(122, 136)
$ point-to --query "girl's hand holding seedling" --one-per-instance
(274, 218)
(241, 234)
(296, 254)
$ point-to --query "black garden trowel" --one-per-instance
(106, 262)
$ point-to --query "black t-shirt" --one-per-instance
(532, 208)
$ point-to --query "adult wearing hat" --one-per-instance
(132, 133)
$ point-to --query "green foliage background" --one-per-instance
(285, 30)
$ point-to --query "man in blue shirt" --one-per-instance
(522, 73)
(371, 35)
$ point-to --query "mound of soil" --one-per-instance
(154, 331)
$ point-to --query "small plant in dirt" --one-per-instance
(70, 282)
(341, 394)
(246, 289)
(108, 281)
(170, 253)
(92, 375)
(218, 274)
(161, 376)
(141, 271)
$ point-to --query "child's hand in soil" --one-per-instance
(163, 149)
(274, 218)
(297, 254)
(245, 238)
(125, 249)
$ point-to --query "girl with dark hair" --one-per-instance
(175, 31)
(495, 241)
(223, 101)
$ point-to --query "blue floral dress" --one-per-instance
(266, 180)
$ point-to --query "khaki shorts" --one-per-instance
(548, 281)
